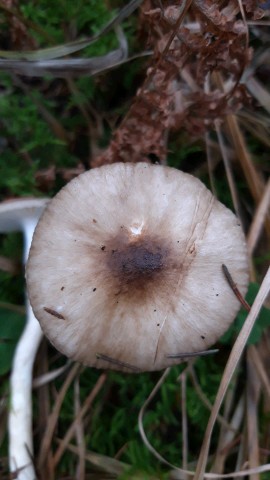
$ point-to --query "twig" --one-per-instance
(234, 288)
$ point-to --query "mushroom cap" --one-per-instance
(125, 267)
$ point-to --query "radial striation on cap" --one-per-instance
(125, 268)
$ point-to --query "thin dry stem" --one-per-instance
(85, 407)
(259, 220)
(253, 178)
(53, 418)
(183, 379)
(253, 395)
(79, 432)
(229, 438)
(204, 399)
(261, 371)
(107, 464)
(229, 171)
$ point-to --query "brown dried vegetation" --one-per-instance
(200, 52)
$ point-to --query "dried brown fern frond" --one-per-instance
(194, 44)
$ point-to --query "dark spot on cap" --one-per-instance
(154, 310)
(138, 269)
(158, 324)
(103, 247)
(203, 337)
(62, 288)
(136, 265)
(217, 294)
(94, 220)
(94, 289)
(136, 260)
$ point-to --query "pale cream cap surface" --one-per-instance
(125, 267)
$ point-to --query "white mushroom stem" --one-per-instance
(23, 215)
(20, 416)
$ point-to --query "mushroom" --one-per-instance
(125, 267)
(22, 214)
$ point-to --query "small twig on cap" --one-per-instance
(235, 288)
(54, 313)
(202, 353)
(100, 356)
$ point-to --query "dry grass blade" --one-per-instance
(103, 462)
(258, 91)
(204, 399)
(183, 379)
(47, 437)
(50, 376)
(240, 454)
(227, 437)
(140, 422)
(87, 404)
(183, 473)
(260, 368)
(259, 23)
(232, 363)
(228, 170)
(220, 457)
(259, 219)
(64, 67)
(72, 47)
(177, 474)
(211, 162)
(253, 395)
(254, 180)
(257, 125)
(79, 431)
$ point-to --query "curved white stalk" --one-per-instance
(20, 415)
(22, 215)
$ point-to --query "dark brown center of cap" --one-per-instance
(137, 260)
(138, 265)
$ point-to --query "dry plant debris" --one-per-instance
(181, 89)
